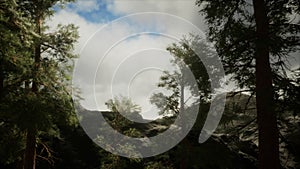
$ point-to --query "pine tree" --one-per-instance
(254, 40)
(190, 64)
(40, 96)
(14, 60)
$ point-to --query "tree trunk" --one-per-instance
(30, 151)
(1, 81)
(184, 142)
(181, 111)
(267, 123)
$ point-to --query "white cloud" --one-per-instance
(142, 51)
(181, 8)
(131, 55)
(86, 29)
(86, 5)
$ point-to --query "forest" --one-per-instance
(43, 124)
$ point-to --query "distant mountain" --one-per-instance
(229, 151)
(90, 119)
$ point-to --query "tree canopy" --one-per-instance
(255, 40)
(35, 69)
(259, 128)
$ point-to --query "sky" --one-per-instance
(122, 46)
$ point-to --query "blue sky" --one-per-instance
(138, 53)
(98, 13)
(92, 15)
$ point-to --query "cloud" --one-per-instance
(114, 55)
(181, 8)
(85, 6)
(114, 65)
